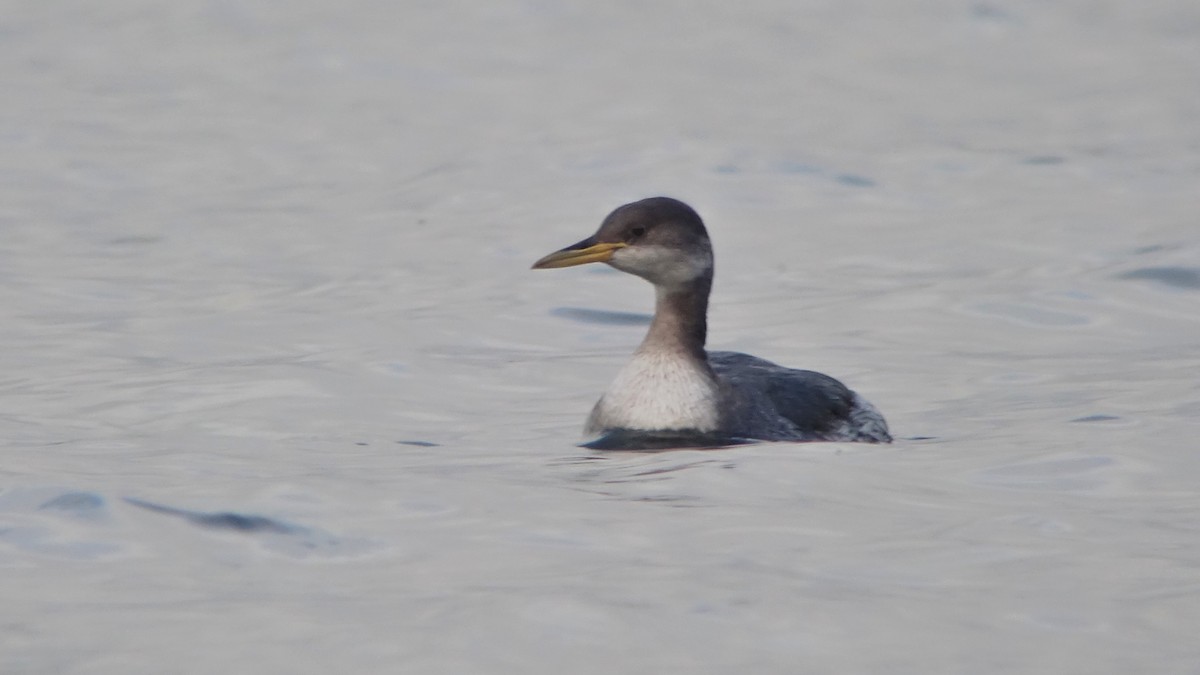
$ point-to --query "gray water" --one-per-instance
(280, 394)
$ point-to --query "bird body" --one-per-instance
(672, 385)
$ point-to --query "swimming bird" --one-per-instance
(672, 387)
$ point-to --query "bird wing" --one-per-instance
(815, 403)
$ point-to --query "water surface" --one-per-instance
(281, 394)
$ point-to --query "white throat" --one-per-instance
(666, 268)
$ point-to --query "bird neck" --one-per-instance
(680, 319)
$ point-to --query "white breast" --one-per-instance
(658, 391)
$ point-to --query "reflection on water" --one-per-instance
(1096, 418)
(79, 504)
(224, 520)
(1175, 277)
(658, 441)
(602, 317)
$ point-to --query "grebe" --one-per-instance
(672, 388)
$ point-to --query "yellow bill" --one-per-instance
(579, 254)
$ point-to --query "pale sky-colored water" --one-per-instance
(266, 265)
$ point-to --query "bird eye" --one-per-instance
(637, 232)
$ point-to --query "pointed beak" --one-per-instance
(586, 251)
